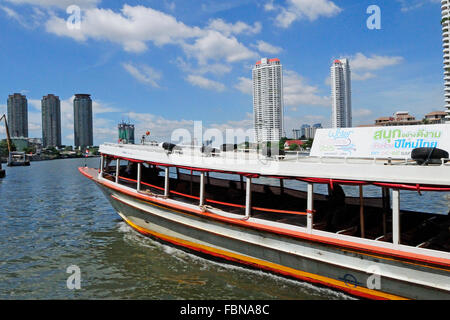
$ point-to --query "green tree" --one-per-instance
(282, 142)
(308, 144)
(4, 148)
(293, 147)
(29, 150)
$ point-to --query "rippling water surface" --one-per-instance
(52, 217)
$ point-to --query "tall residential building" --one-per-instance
(445, 7)
(341, 94)
(51, 121)
(18, 115)
(82, 124)
(268, 100)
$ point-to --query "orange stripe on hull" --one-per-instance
(268, 266)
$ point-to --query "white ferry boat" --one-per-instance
(207, 201)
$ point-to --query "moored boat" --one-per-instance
(18, 159)
(209, 203)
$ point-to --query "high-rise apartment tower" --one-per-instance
(51, 121)
(268, 100)
(341, 94)
(82, 116)
(17, 115)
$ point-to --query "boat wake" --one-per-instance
(131, 236)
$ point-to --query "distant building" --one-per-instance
(83, 128)
(309, 132)
(289, 143)
(51, 121)
(401, 118)
(22, 144)
(341, 94)
(304, 128)
(445, 10)
(126, 133)
(436, 117)
(297, 134)
(17, 110)
(267, 77)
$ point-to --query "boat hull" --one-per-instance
(19, 164)
(356, 273)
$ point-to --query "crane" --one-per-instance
(8, 138)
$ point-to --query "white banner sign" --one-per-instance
(380, 142)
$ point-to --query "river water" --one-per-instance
(52, 217)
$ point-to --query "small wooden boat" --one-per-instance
(221, 204)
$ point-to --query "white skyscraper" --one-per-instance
(341, 93)
(445, 6)
(268, 100)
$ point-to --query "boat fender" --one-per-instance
(425, 156)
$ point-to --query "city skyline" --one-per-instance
(201, 70)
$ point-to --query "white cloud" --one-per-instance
(408, 5)
(234, 28)
(131, 28)
(136, 26)
(298, 92)
(213, 68)
(144, 74)
(303, 9)
(362, 77)
(245, 85)
(374, 62)
(359, 113)
(202, 82)
(12, 14)
(265, 47)
(217, 47)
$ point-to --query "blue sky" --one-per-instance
(163, 64)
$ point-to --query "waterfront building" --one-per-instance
(435, 117)
(267, 77)
(83, 128)
(400, 118)
(126, 133)
(341, 94)
(51, 121)
(17, 109)
(445, 9)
